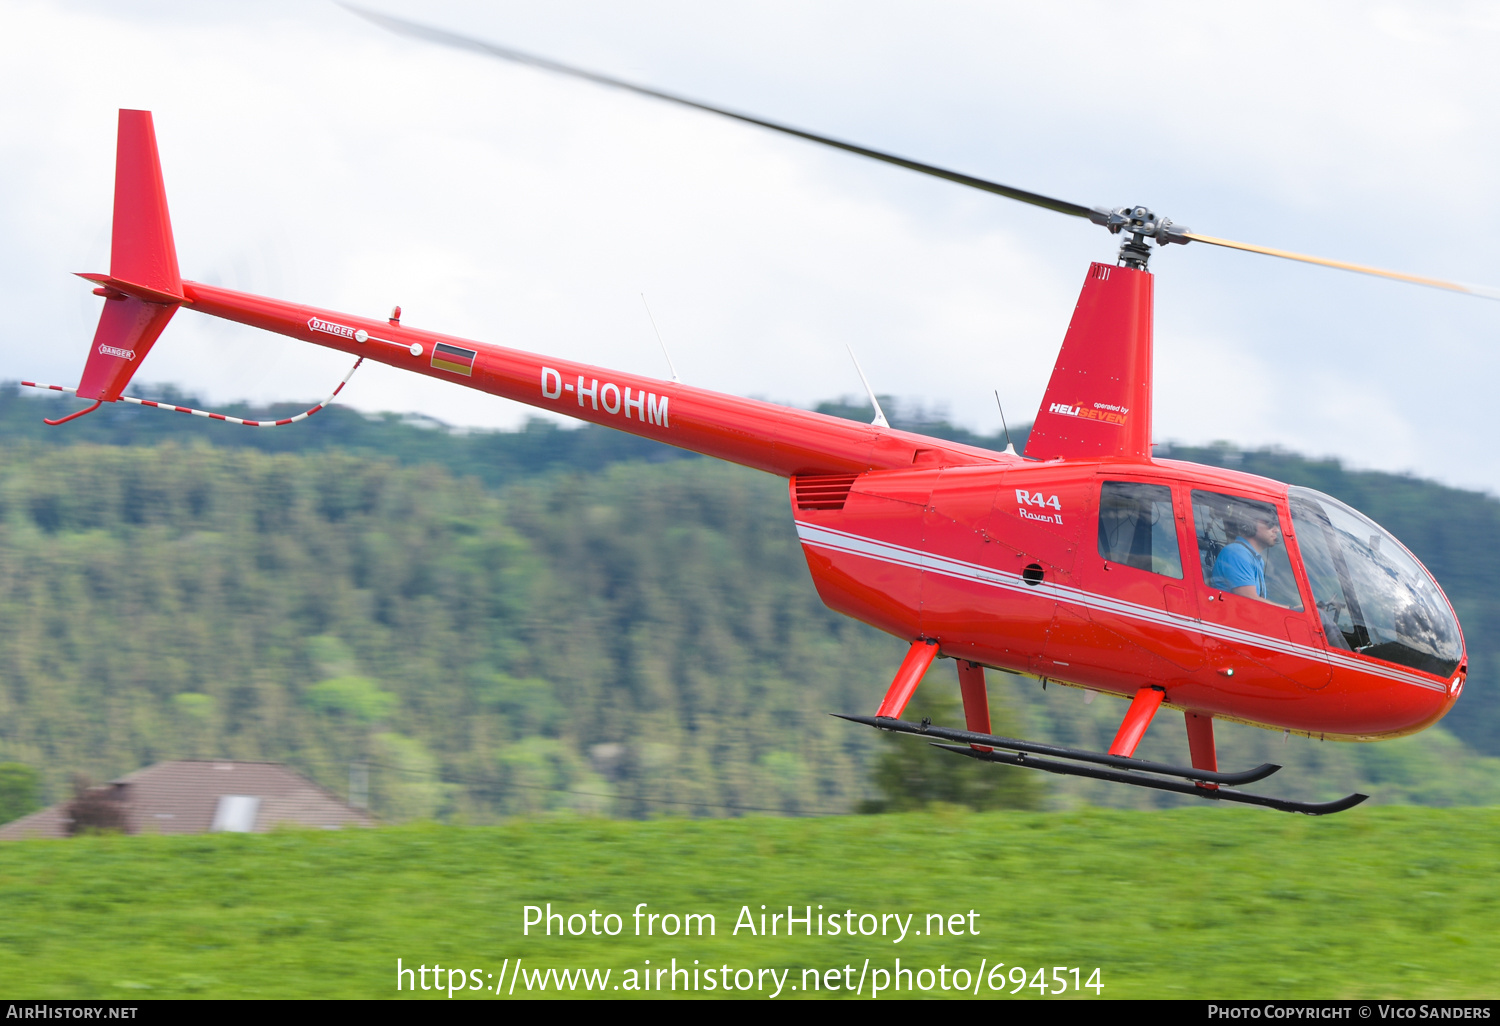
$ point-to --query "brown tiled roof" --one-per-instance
(182, 797)
(51, 822)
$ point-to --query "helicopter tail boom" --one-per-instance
(144, 288)
(778, 439)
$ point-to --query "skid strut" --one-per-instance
(1079, 762)
(918, 658)
(1200, 732)
(1137, 719)
(976, 699)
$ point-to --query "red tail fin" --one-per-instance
(143, 287)
(1098, 402)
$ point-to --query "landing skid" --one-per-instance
(1198, 783)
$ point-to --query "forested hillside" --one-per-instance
(494, 457)
(490, 632)
(643, 624)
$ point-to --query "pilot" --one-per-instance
(1241, 566)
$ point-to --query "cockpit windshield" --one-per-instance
(1373, 597)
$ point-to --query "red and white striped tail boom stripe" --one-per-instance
(219, 416)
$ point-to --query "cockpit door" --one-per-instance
(1135, 565)
(1253, 604)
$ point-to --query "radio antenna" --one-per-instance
(654, 328)
(1008, 447)
(879, 420)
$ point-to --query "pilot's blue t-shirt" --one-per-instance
(1238, 565)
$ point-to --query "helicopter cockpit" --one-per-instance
(1373, 598)
(1225, 521)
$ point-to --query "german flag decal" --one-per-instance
(453, 359)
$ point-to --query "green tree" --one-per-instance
(355, 699)
(911, 774)
(18, 791)
(195, 718)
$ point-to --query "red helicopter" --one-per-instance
(1086, 561)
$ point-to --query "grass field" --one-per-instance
(1384, 902)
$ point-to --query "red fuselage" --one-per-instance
(942, 553)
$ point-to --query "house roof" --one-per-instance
(196, 796)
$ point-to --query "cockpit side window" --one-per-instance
(1240, 549)
(1137, 527)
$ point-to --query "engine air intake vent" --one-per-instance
(823, 491)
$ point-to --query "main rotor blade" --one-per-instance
(1116, 221)
(446, 38)
(1481, 291)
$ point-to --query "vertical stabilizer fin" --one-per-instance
(1098, 402)
(141, 248)
(143, 288)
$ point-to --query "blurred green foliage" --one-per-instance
(490, 635)
(357, 698)
(18, 791)
(636, 639)
(494, 457)
(911, 774)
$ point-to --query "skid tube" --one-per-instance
(1136, 772)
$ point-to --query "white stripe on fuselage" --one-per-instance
(901, 555)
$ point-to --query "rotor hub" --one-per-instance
(1140, 225)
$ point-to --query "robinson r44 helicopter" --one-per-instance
(1085, 561)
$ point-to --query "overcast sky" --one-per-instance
(312, 156)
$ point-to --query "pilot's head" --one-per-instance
(1257, 524)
